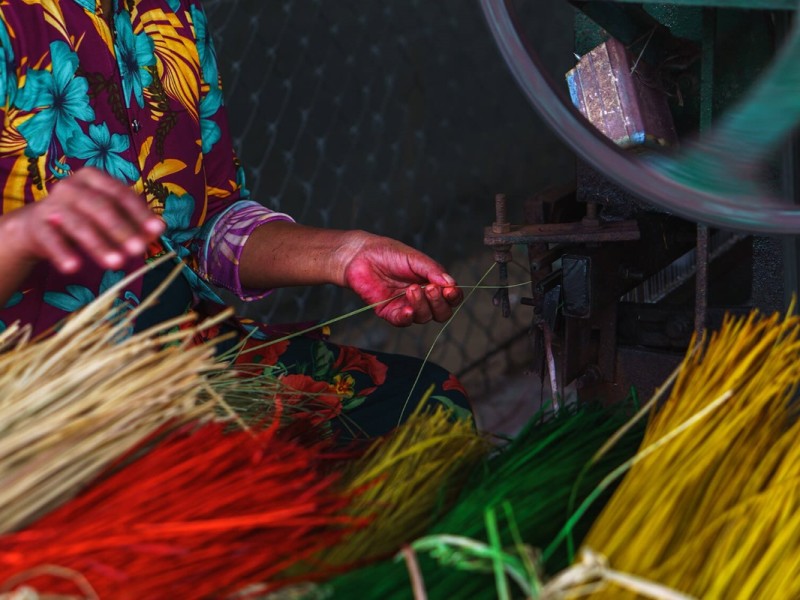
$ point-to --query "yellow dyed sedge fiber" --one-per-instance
(73, 402)
(402, 480)
(715, 510)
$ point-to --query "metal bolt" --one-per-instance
(591, 219)
(501, 224)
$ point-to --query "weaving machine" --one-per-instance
(679, 114)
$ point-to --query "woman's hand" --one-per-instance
(90, 211)
(379, 268)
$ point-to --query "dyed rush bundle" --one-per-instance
(187, 506)
(712, 505)
(405, 481)
(205, 513)
(528, 487)
(73, 402)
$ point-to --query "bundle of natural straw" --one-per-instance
(405, 479)
(531, 483)
(73, 402)
(711, 505)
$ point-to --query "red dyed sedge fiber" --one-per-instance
(205, 513)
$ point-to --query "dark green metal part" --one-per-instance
(672, 39)
(665, 28)
(709, 19)
(632, 25)
(714, 181)
(747, 136)
(754, 4)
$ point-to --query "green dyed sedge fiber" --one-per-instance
(535, 475)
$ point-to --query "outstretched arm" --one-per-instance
(377, 268)
(280, 253)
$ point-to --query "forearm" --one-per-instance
(281, 254)
(380, 270)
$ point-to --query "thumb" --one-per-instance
(429, 270)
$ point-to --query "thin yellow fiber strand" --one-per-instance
(713, 512)
(436, 339)
(403, 478)
(73, 402)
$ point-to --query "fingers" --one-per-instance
(431, 302)
(98, 214)
(399, 316)
(56, 249)
(383, 267)
(443, 301)
(128, 203)
(421, 307)
(441, 294)
(453, 295)
(96, 228)
(84, 232)
(108, 229)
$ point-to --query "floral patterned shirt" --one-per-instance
(142, 102)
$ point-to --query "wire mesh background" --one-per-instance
(398, 117)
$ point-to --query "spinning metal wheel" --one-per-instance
(604, 286)
(714, 180)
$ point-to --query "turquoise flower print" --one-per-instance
(177, 217)
(59, 98)
(59, 169)
(205, 48)
(241, 181)
(209, 130)
(134, 53)
(174, 5)
(8, 73)
(77, 296)
(102, 149)
(15, 299)
(201, 289)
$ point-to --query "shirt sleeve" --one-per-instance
(224, 241)
(232, 215)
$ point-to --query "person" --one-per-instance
(115, 149)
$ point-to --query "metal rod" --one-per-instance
(706, 111)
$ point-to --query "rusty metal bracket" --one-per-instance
(560, 233)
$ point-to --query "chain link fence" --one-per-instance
(398, 117)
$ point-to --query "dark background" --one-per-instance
(398, 117)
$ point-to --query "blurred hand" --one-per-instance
(89, 210)
(380, 268)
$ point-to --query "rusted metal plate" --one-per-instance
(575, 233)
(621, 96)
